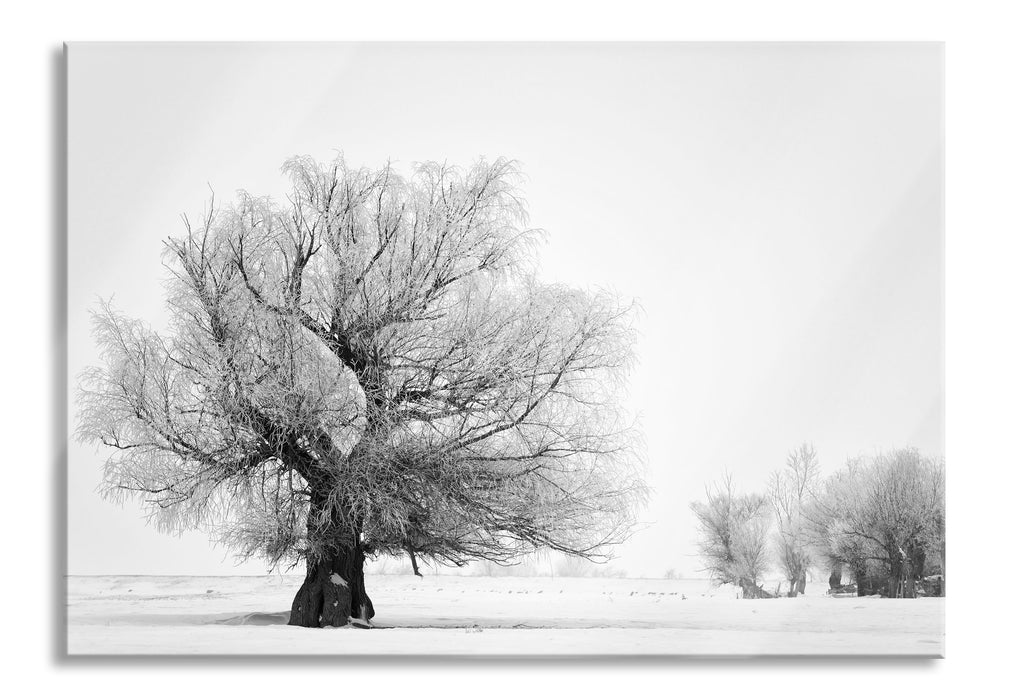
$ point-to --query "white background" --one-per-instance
(976, 350)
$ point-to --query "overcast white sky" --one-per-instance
(776, 210)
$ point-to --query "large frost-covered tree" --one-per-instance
(370, 367)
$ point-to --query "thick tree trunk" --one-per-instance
(835, 577)
(862, 583)
(918, 563)
(800, 585)
(752, 590)
(333, 592)
(896, 577)
(749, 588)
(908, 581)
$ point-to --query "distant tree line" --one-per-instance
(881, 520)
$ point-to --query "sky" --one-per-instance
(776, 211)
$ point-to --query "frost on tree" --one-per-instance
(733, 541)
(791, 493)
(885, 516)
(370, 367)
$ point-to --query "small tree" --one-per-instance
(369, 368)
(733, 537)
(790, 492)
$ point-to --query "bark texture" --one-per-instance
(333, 593)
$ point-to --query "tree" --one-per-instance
(790, 493)
(885, 511)
(935, 531)
(832, 534)
(370, 368)
(733, 537)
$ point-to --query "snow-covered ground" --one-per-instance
(470, 615)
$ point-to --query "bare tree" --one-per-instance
(733, 533)
(370, 367)
(884, 512)
(789, 492)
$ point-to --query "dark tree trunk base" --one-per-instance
(862, 582)
(752, 590)
(835, 577)
(333, 593)
(797, 585)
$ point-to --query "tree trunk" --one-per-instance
(908, 580)
(862, 583)
(752, 590)
(333, 592)
(942, 569)
(800, 585)
(749, 588)
(835, 577)
(918, 560)
(895, 577)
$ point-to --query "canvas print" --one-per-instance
(505, 349)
